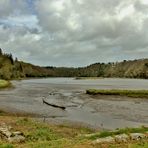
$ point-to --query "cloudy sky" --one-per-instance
(74, 32)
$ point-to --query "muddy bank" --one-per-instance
(108, 112)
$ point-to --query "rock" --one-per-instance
(5, 132)
(137, 136)
(16, 139)
(104, 140)
(122, 138)
(17, 133)
(13, 137)
(90, 135)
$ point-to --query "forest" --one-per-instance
(11, 68)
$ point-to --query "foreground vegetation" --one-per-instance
(39, 135)
(4, 84)
(129, 93)
(118, 132)
(42, 135)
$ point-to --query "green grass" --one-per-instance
(118, 132)
(139, 145)
(129, 93)
(40, 135)
(6, 145)
(4, 84)
(43, 135)
(2, 113)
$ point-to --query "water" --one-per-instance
(107, 112)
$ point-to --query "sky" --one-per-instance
(74, 33)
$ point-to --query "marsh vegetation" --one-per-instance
(4, 84)
(128, 93)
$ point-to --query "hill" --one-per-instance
(125, 69)
(14, 69)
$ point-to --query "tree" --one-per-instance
(1, 51)
(11, 58)
(16, 60)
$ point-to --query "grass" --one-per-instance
(4, 84)
(42, 135)
(139, 145)
(3, 113)
(6, 145)
(39, 135)
(118, 132)
(129, 93)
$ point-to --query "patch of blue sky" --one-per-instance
(31, 6)
(29, 21)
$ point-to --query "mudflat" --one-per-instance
(108, 112)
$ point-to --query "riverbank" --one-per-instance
(4, 84)
(118, 92)
(39, 134)
(106, 113)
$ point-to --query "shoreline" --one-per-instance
(5, 84)
(48, 120)
(38, 134)
(119, 92)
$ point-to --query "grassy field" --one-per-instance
(4, 84)
(42, 135)
(129, 93)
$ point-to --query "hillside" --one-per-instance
(125, 69)
(14, 69)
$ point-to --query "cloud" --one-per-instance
(74, 32)
(13, 7)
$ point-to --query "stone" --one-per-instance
(13, 137)
(104, 140)
(122, 138)
(5, 132)
(17, 133)
(90, 135)
(137, 136)
(16, 139)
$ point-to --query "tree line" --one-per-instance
(11, 68)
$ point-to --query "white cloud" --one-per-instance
(145, 2)
(11, 7)
(74, 32)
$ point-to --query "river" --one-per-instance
(107, 112)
